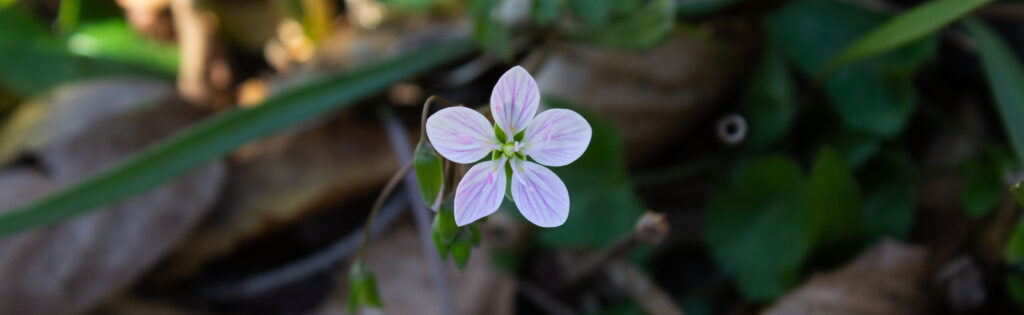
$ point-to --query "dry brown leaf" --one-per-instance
(888, 279)
(70, 267)
(406, 286)
(279, 180)
(647, 95)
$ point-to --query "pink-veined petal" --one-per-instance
(557, 137)
(461, 135)
(539, 194)
(480, 191)
(514, 100)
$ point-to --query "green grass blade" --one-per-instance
(904, 29)
(1005, 77)
(218, 135)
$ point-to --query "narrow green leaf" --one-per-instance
(1005, 79)
(429, 171)
(906, 28)
(218, 135)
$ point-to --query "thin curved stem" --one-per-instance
(388, 189)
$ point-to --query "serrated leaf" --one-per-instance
(908, 27)
(218, 135)
(429, 171)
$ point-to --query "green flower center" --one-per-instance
(509, 149)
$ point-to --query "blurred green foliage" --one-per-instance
(34, 60)
(759, 231)
(877, 96)
(1005, 79)
(768, 100)
(909, 26)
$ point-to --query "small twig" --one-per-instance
(388, 188)
(400, 144)
(543, 300)
(651, 228)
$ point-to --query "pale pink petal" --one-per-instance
(514, 100)
(461, 135)
(480, 191)
(556, 137)
(539, 194)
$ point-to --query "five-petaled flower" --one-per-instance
(555, 137)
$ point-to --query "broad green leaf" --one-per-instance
(645, 28)
(429, 171)
(218, 135)
(768, 102)
(1005, 78)
(890, 190)
(603, 205)
(876, 96)
(908, 27)
(833, 200)
(759, 232)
